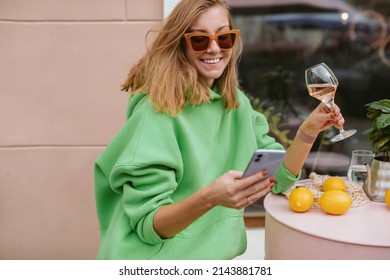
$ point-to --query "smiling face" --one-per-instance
(210, 63)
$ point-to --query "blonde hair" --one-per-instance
(166, 75)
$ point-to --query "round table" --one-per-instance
(363, 232)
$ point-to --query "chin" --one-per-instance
(212, 76)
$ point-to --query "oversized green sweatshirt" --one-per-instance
(157, 160)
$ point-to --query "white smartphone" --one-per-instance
(265, 160)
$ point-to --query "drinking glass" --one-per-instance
(357, 171)
(322, 84)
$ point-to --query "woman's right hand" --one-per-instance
(231, 191)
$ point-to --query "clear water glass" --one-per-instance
(357, 171)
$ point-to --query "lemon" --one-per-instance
(335, 202)
(301, 199)
(387, 197)
(334, 183)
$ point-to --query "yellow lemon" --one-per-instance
(387, 197)
(334, 183)
(301, 199)
(335, 202)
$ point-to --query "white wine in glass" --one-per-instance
(322, 85)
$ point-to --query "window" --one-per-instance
(281, 40)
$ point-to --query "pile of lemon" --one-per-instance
(335, 200)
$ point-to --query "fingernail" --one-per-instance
(272, 180)
(265, 172)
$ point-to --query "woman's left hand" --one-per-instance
(322, 118)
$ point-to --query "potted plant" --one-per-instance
(378, 113)
(378, 172)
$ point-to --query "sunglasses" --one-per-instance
(201, 41)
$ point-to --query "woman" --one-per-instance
(168, 186)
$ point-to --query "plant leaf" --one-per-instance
(381, 105)
(383, 121)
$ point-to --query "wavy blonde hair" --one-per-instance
(166, 75)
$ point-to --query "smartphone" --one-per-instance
(265, 160)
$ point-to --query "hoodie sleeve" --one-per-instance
(148, 170)
(144, 190)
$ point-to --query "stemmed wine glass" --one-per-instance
(322, 84)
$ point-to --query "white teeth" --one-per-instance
(211, 61)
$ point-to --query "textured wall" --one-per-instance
(61, 66)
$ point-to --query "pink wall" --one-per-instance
(61, 66)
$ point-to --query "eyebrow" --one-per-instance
(204, 31)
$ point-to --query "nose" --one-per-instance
(214, 47)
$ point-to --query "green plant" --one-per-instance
(378, 113)
(273, 120)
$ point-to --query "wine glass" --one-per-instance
(322, 84)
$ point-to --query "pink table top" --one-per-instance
(368, 224)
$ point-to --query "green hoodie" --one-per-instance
(157, 160)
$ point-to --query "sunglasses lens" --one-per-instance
(226, 41)
(199, 43)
